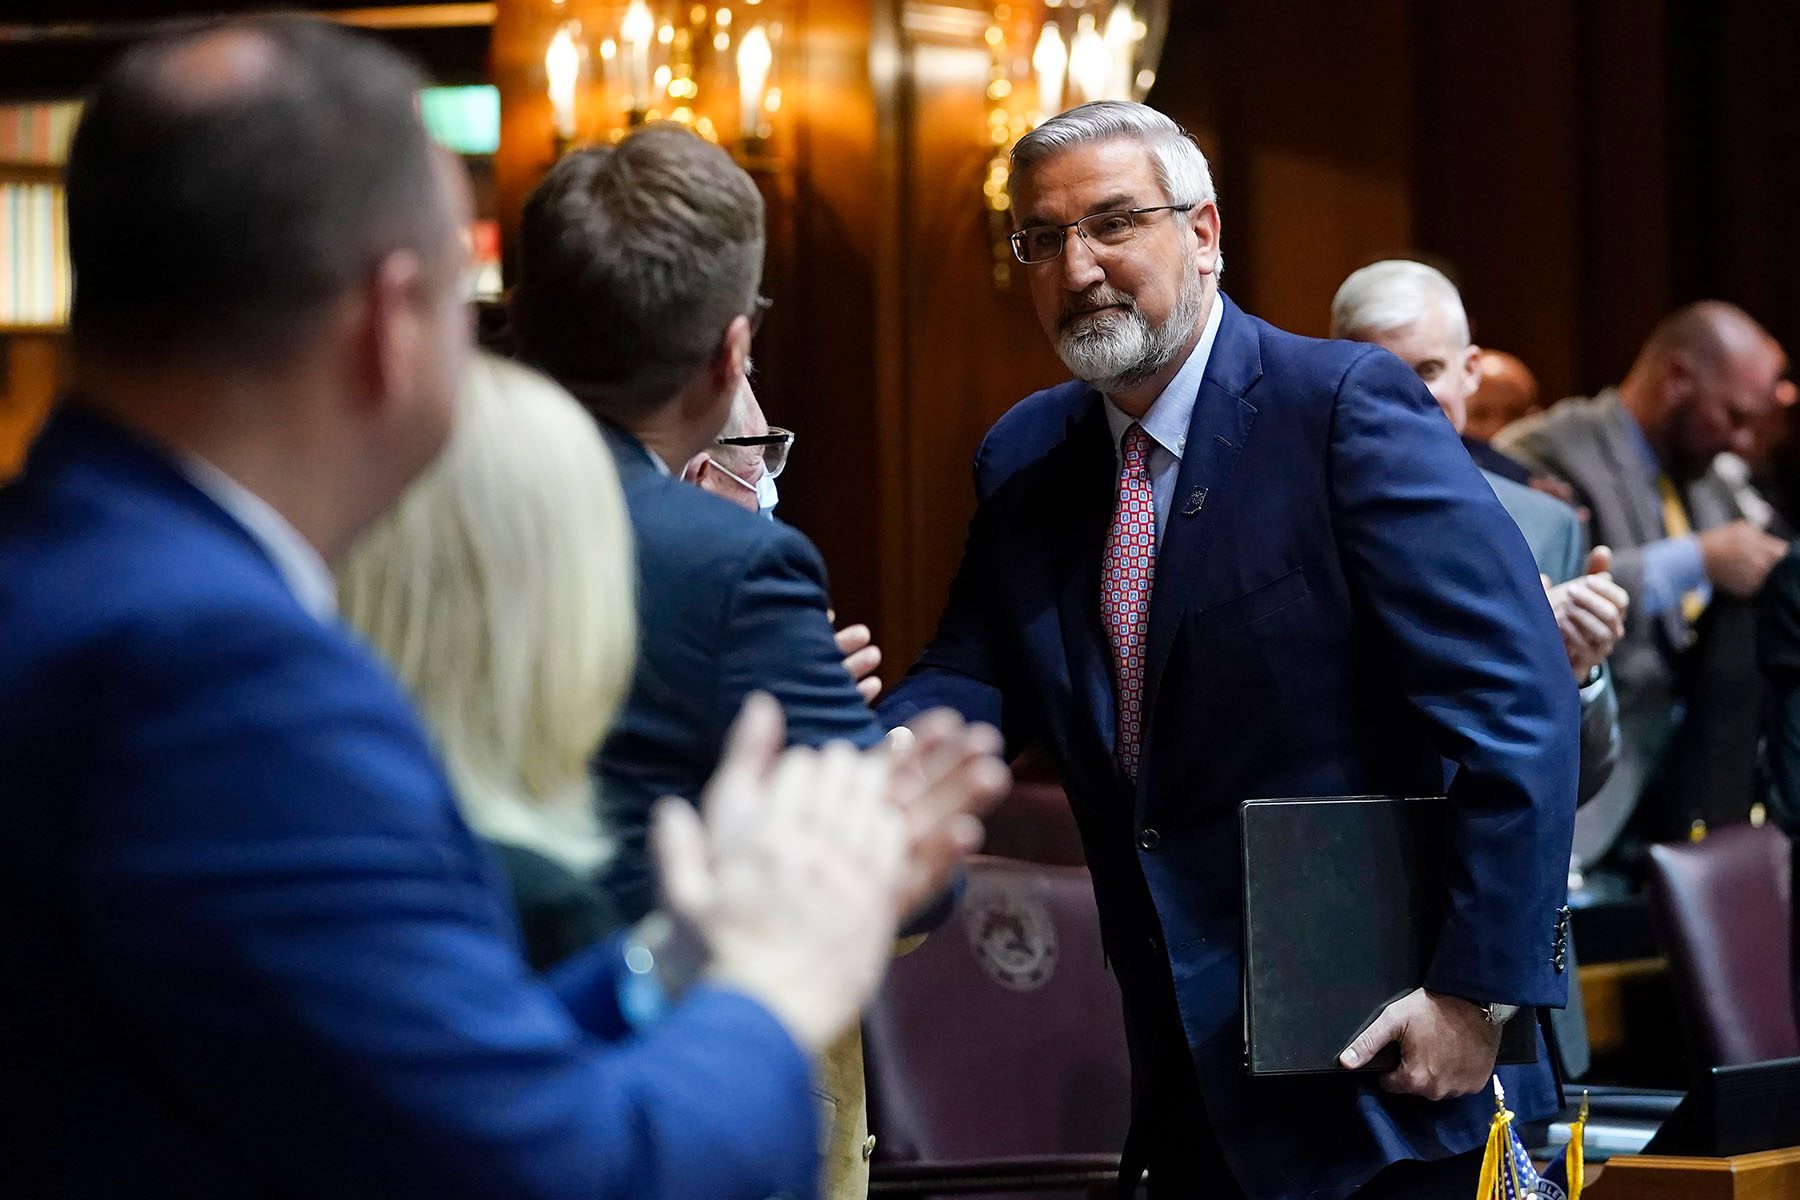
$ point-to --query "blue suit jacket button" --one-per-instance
(1149, 839)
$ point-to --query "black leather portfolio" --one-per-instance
(1343, 900)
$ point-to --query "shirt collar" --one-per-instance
(300, 566)
(1640, 441)
(1172, 412)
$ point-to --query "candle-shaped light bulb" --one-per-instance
(1121, 40)
(635, 32)
(638, 24)
(1051, 62)
(754, 58)
(562, 66)
(1090, 66)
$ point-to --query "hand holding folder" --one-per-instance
(1343, 901)
(1447, 1047)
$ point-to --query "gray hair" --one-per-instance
(1393, 294)
(633, 259)
(1179, 164)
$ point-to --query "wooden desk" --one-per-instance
(1604, 988)
(1771, 1175)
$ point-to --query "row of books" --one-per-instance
(35, 282)
(37, 133)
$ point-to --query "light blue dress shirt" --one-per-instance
(1168, 419)
(1673, 566)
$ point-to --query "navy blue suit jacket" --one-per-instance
(728, 603)
(252, 950)
(1340, 606)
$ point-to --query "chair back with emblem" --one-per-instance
(1724, 908)
(1035, 823)
(996, 1051)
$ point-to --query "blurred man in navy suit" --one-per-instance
(640, 267)
(253, 950)
(1226, 562)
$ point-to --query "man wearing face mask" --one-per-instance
(740, 467)
(654, 342)
(743, 462)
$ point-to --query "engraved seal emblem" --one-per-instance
(1012, 936)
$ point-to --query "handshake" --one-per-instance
(791, 880)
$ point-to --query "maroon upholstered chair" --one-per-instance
(1035, 823)
(996, 1051)
(1724, 908)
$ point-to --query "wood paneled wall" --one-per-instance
(1579, 168)
(32, 369)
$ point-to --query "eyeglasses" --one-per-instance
(774, 445)
(1044, 243)
(757, 312)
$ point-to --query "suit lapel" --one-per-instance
(1216, 436)
(1644, 503)
(1078, 538)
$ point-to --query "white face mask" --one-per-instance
(767, 496)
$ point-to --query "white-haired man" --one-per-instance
(1413, 311)
(1226, 562)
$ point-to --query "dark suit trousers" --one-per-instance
(1190, 1166)
(1186, 1163)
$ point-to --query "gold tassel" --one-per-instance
(1498, 1156)
(1575, 1157)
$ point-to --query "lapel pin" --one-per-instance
(1195, 502)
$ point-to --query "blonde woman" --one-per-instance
(500, 591)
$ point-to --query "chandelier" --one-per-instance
(611, 65)
(1046, 56)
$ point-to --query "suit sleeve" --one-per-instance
(1531, 446)
(1600, 741)
(777, 639)
(964, 666)
(1446, 575)
(305, 945)
(1778, 654)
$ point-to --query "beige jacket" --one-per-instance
(844, 1111)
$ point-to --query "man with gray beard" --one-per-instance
(1225, 562)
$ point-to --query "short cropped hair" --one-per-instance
(500, 590)
(1393, 294)
(633, 260)
(224, 217)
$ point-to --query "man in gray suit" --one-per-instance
(1640, 458)
(1415, 312)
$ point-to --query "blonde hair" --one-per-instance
(500, 589)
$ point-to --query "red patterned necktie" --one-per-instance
(1125, 577)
